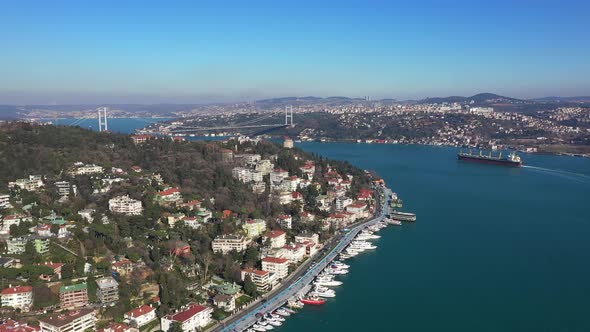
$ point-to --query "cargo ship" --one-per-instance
(511, 160)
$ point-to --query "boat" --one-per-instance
(313, 300)
(336, 271)
(294, 303)
(322, 294)
(403, 216)
(395, 222)
(258, 327)
(289, 310)
(282, 312)
(512, 159)
(340, 265)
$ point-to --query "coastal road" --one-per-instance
(303, 277)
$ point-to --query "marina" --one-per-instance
(316, 284)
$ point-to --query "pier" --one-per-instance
(302, 278)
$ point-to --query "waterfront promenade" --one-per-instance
(248, 318)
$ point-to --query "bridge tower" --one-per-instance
(289, 115)
(103, 124)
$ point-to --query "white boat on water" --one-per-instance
(282, 313)
(336, 271)
(339, 265)
(322, 294)
(257, 327)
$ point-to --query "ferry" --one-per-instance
(403, 216)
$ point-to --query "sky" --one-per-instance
(70, 52)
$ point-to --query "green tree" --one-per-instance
(30, 255)
(251, 256)
(249, 286)
(55, 229)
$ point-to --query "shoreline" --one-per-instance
(245, 319)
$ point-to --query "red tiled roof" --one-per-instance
(13, 326)
(284, 216)
(296, 194)
(52, 265)
(122, 262)
(257, 272)
(17, 290)
(275, 260)
(276, 233)
(192, 310)
(144, 309)
(169, 191)
(358, 205)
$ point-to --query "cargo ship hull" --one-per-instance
(491, 161)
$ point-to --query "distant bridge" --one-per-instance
(250, 124)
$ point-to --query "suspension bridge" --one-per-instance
(256, 123)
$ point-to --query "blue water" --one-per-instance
(120, 125)
(494, 248)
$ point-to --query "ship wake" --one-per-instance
(583, 178)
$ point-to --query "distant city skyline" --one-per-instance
(70, 52)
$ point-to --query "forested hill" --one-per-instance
(27, 149)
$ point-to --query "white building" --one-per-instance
(191, 318)
(254, 227)
(278, 238)
(19, 297)
(33, 183)
(125, 205)
(64, 188)
(227, 243)
(87, 169)
(141, 316)
(285, 221)
(278, 266)
(5, 202)
(251, 159)
(107, 290)
(278, 175)
(71, 321)
(342, 202)
(264, 166)
(241, 174)
(262, 279)
(294, 252)
(256, 176)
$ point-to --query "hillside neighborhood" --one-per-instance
(118, 241)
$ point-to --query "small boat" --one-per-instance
(289, 310)
(282, 313)
(322, 294)
(258, 327)
(313, 300)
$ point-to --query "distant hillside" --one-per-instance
(555, 99)
(310, 100)
(480, 98)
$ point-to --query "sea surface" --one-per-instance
(493, 249)
(120, 125)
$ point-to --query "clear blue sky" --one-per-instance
(199, 51)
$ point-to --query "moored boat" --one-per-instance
(313, 300)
